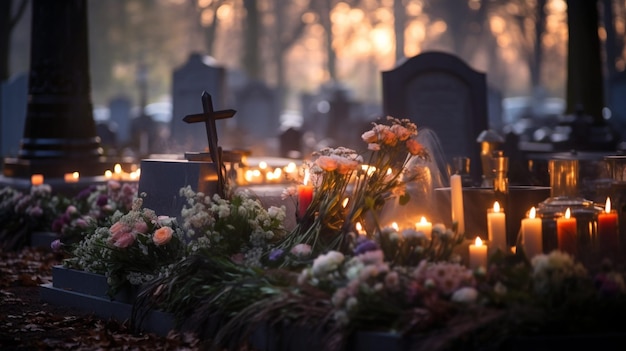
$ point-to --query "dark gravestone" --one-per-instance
(257, 111)
(59, 132)
(196, 75)
(291, 143)
(439, 91)
(617, 100)
(13, 114)
(119, 111)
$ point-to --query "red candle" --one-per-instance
(608, 237)
(567, 233)
(305, 195)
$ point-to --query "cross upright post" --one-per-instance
(209, 116)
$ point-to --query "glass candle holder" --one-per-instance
(563, 178)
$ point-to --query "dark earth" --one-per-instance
(28, 323)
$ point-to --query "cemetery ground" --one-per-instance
(28, 323)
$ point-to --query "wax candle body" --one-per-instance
(567, 234)
(608, 237)
(424, 226)
(496, 227)
(477, 254)
(456, 199)
(532, 235)
(36, 179)
(305, 196)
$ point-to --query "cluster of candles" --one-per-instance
(119, 174)
(263, 173)
(532, 235)
(531, 226)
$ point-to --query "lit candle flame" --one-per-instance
(306, 177)
(117, 168)
(496, 207)
(389, 171)
(345, 202)
(423, 220)
(262, 165)
(108, 174)
(394, 225)
(478, 242)
(568, 213)
(607, 207)
(359, 227)
(75, 175)
(291, 167)
(532, 213)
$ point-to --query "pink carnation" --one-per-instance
(327, 163)
(124, 240)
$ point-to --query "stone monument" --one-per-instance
(161, 180)
(60, 132)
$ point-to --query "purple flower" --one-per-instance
(56, 245)
(83, 194)
(57, 225)
(102, 200)
(365, 246)
(276, 254)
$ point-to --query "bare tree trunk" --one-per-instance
(610, 44)
(251, 42)
(540, 28)
(584, 66)
(399, 24)
(331, 56)
(7, 23)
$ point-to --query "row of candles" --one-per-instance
(531, 226)
(532, 233)
(73, 177)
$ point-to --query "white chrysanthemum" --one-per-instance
(465, 295)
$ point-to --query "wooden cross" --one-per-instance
(209, 116)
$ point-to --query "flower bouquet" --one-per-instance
(135, 249)
(351, 188)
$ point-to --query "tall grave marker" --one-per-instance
(60, 132)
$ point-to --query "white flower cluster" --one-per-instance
(551, 271)
(214, 222)
(91, 254)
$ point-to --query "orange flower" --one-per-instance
(414, 147)
(162, 236)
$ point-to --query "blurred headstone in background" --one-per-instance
(198, 74)
(119, 118)
(13, 113)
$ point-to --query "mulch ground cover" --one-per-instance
(28, 323)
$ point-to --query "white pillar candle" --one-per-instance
(456, 190)
(477, 254)
(425, 227)
(496, 227)
(532, 236)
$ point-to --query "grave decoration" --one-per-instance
(230, 272)
(162, 179)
